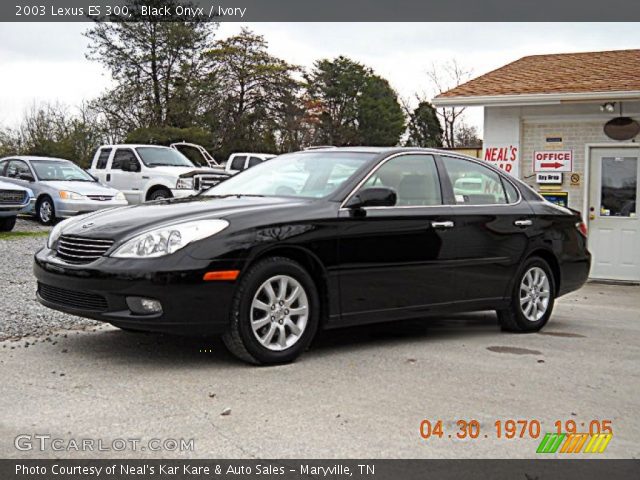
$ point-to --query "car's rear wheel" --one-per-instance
(532, 298)
(275, 313)
(46, 211)
(7, 224)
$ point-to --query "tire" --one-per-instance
(524, 316)
(274, 348)
(46, 211)
(7, 224)
(159, 194)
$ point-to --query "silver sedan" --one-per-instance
(61, 189)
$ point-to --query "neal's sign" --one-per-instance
(505, 157)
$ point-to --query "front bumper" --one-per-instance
(183, 192)
(13, 210)
(71, 208)
(190, 306)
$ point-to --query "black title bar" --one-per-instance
(322, 10)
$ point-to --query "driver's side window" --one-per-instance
(122, 159)
(413, 177)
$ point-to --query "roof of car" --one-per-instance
(379, 150)
(133, 145)
(33, 157)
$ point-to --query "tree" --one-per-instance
(381, 121)
(258, 98)
(424, 127)
(449, 76)
(50, 130)
(356, 105)
(467, 136)
(151, 62)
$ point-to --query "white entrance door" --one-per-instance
(614, 224)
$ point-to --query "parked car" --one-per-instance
(238, 162)
(13, 200)
(62, 189)
(151, 172)
(372, 235)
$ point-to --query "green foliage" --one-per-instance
(168, 135)
(357, 106)
(424, 127)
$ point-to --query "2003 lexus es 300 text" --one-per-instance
(320, 239)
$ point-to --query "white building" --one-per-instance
(544, 122)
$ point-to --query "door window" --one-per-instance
(253, 161)
(413, 177)
(474, 184)
(17, 168)
(101, 164)
(122, 157)
(618, 186)
(238, 162)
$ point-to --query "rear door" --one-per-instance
(99, 167)
(395, 260)
(491, 228)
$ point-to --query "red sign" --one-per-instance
(505, 157)
(553, 161)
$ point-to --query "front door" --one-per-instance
(395, 261)
(122, 179)
(614, 226)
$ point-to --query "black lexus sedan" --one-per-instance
(320, 239)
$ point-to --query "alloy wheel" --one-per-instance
(279, 312)
(535, 292)
(46, 210)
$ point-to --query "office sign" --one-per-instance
(553, 161)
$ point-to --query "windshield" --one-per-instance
(306, 175)
(49, 170)
(163, 157)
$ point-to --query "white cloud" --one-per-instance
(41, 61)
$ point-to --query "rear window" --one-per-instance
(238, 162)
(101, 164)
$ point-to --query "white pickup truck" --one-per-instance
(151, 172)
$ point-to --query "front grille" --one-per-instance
(74, 249)
(72, 299)
(100, 198)
(202, 182)
(12, 197)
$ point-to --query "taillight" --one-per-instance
(582, 228)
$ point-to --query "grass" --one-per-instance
(18, 235)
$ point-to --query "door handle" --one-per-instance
(108, 177)
(523, 223)
(445, 224)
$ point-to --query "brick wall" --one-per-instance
(575, 135)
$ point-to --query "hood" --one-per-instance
(189, 171)
(124, 222)
(83, 188)
(11, 186)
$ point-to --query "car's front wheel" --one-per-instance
(274, 314)
(532, 298)
(46, 211)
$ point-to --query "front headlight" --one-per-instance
(65, 195)
(120, 196)
(167, 240)
(57, 230)
(185, 184)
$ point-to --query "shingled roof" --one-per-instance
(612, 73)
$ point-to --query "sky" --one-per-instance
(46, 61)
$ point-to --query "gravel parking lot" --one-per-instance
(22, 315)
(358, 393)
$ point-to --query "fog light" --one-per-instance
(144, 306)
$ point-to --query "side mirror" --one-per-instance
(133, 166)
(26, 177)
(373, 197)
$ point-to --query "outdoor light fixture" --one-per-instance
(608, 107)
